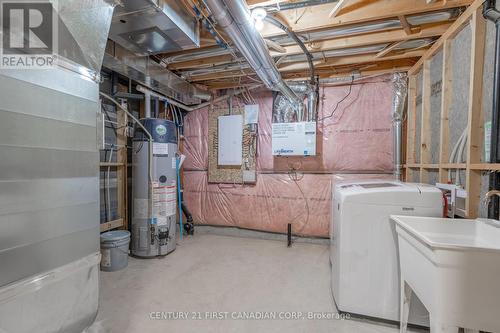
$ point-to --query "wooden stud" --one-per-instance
(445, 106)
(121, 174)
(411, 121)
(475, 126)
(425, 136)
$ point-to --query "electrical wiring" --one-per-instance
(292, 174)
(351, 84)
(339, 102)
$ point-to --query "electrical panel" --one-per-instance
(230, 140)
(294, 139)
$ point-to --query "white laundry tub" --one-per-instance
(453, 266)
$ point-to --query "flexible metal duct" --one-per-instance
(234, 18)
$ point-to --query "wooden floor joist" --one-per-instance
(337, 14)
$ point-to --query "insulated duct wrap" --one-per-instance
(356, 141)
(400, 81)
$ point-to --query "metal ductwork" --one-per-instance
(152, 74)
(154, 26)
(233, 16)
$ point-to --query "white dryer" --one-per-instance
(363, 249)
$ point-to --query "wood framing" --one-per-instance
(351, 25)
(445, 107)
(475, 131)
(121, 167)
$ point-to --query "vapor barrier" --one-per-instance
(355, 136)
(275, 201)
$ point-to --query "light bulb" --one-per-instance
(259, 14)
(259, 24)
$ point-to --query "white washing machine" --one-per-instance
(363, 249)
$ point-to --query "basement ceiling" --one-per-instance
(362, 36)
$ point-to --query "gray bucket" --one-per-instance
(114, 250)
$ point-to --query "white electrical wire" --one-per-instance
(453, 155)
(460, 156)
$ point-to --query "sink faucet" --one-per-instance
(486, 200)
(488, 195)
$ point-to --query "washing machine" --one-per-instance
(363, 245)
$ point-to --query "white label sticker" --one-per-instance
(174, 163)
(160, 148)
(105, 257)
(164, 200)
(294, 139)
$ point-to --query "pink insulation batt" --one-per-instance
(355, 142)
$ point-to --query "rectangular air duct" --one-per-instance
(154, 26)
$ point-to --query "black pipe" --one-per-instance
(492, 14)
(189, 225)
(289, 235)
(297, 40)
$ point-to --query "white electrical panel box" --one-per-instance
(294, 139)
(251, 114)
(230, 137)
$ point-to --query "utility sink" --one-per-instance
(453, 266)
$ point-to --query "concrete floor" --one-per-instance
(212, 273)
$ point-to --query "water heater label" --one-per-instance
(160, 148)
(164, 201)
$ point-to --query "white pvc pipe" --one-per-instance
(147, 104)
(196, 107)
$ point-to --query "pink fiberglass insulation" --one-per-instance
(270, 205)
(357, 138)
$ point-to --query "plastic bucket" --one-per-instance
(114, 250)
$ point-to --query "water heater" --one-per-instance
(154, 189)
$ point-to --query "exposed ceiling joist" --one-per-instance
(316, 18)
(354, 60)
(315, 22)
(391, 36)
